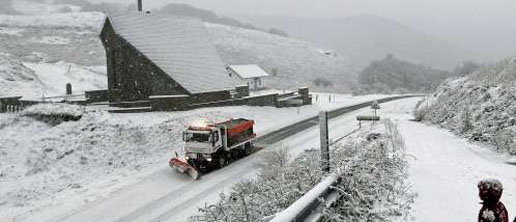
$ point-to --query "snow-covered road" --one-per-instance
(169, 196)
(445, 170)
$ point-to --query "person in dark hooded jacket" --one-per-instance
(490, 192)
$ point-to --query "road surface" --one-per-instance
(445, 170)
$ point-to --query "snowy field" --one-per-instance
(78, 162)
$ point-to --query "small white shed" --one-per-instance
(251, 73)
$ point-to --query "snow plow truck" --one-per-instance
(210, 146)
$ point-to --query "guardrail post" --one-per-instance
(325, 152)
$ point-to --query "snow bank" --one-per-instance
(43, 165)
(481, 107)
(54, 113)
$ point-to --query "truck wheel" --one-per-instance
(222, 162)
(247, 149)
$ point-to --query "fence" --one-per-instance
(72, 97)
(11, 108)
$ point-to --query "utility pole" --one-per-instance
(325, 146)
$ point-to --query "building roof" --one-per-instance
(248, 71)
(181, 47)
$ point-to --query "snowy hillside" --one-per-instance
(502, 73)
(394, 75)
(16, 79)
(365, 38)
(34, 80)
(34, 7)
(297, 62)
(70, 37)
(48, 43)
(482, 106)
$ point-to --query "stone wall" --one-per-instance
(305, 95)
(210, 97)
(186, 102)
(263, 100)
(217, 99)
(242, 91)
(97, 96)
(169, 102)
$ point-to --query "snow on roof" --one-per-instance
(248, 71)
(181, 47)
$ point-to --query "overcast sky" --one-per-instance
(454, 20)
(432, 13)
(460, 10)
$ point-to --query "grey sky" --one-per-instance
(471, 23)
(462, 10)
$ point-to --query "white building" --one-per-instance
(251, 73)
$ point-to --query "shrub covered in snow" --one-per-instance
(281, 181)
(372, 189)
(481, 107)
(54, 113)
(391, 75)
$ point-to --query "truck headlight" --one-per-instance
(208, 159)
(186, 157)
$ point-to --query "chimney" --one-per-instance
(139, 5)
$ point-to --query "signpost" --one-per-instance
(325, 151)
(375, 106)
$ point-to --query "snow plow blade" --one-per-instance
(184, 167)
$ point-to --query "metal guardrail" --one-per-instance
(303, 208)
(306, 207)
(301, 125)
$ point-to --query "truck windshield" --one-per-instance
(197, 137)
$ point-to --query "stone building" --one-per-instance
(252, 74)
(158, 55)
